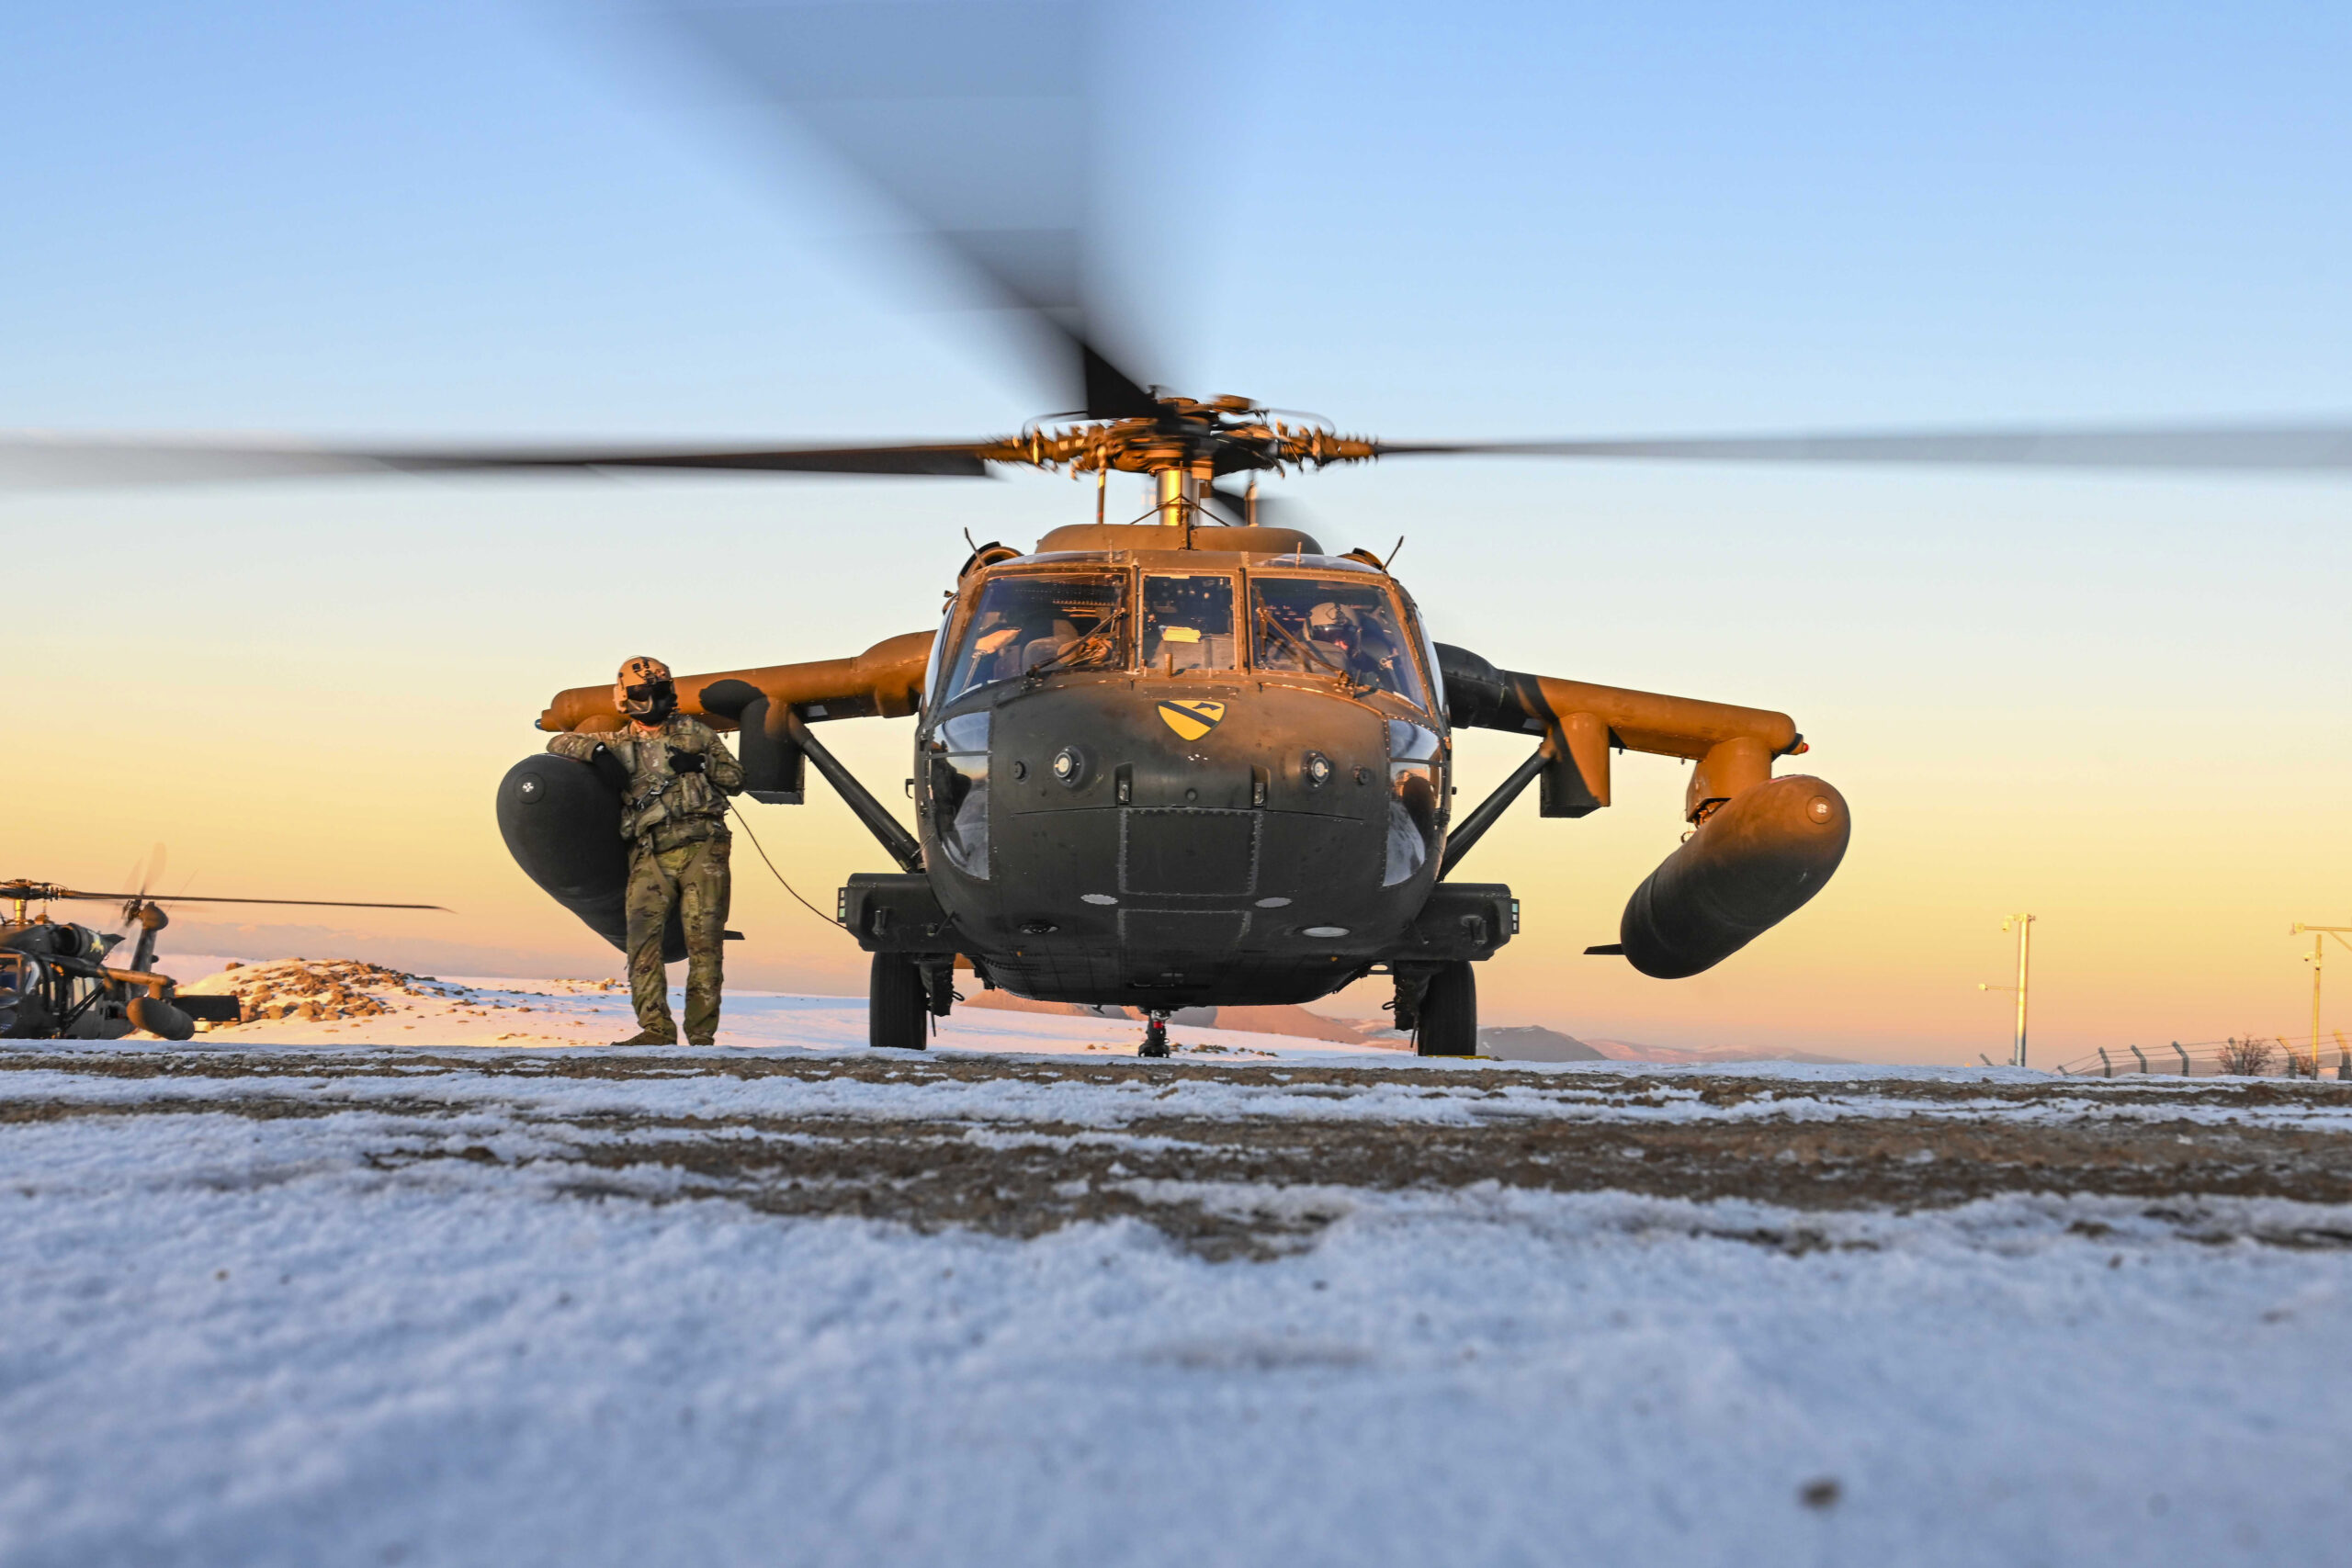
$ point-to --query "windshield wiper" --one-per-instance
(1103, 640)
(1306, 649)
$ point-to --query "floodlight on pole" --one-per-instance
(2024, 924)
(2319, 947)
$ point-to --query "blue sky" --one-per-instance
(496, 219)
(1504, 217)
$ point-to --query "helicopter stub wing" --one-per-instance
(1733, 746)
(1760, 847)
(883, 681)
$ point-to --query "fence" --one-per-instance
(2249, 1055)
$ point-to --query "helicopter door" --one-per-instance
(1187, 623)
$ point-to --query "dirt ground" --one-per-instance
(1257, 1174)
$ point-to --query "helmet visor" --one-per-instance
(650, 696)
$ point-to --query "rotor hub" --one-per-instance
(1224, 435)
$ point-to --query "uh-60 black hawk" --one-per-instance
(1198, 761)
(1191, 758)
(66, 980)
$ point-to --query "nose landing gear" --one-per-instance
(1155, 1034)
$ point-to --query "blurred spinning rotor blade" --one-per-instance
(144, 876)
(972, 116)
(1233, 505)
(145, 872)
(2286, 448)
(33, 460)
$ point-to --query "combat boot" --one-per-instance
(702, 1042)
(647, 1037)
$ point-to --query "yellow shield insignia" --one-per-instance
(1191, 720)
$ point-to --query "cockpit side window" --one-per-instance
(1317, 626)
(1030, 621)
(1429, 666)
(1188, 623)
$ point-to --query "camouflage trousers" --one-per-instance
(693, 880)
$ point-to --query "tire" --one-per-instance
(898, 1006)
(1450, 1014)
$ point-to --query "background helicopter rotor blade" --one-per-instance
(45, 890)
(314, 903)
(41, 460)
(972, 118)
(143, 875)
(2285, 449)
(142, 872)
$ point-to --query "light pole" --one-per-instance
(2024, 924)
(2319, 947)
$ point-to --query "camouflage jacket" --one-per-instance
(670, 809)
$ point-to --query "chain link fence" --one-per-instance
(2244, 1056)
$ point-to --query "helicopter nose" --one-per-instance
(1121, 800)
(1175, 751)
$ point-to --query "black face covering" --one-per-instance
(654, 702)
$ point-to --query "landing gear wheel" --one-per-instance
(1450, 1013)
(898, 1005)
(1155, 1035)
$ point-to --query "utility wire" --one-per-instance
(787, 887)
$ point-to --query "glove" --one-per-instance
(608, 768)
(686, 761)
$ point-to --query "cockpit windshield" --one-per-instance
(1320, 625)
(1187, 623)
(1031, 621)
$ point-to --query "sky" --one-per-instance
(2119, 702)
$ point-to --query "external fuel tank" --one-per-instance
(1750, 865)
(562, 825)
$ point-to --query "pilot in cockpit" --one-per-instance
(1358, 646)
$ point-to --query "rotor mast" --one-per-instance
(1179, 489)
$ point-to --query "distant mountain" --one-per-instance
(1634, 1051)
(1518, 1042)
(1005, 1001)
(1533, 1043)
(1295, 1021)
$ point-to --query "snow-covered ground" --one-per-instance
(289, 1295)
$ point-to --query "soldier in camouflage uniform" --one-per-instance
(676, 774)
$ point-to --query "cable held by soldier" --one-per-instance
(674, 775)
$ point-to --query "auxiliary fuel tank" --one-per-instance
(562, 825)
(1749, 866)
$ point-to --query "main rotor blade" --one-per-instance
(32, 460)
(971, 117)
(2285, 449)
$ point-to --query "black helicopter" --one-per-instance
(59, 980)
(1194, 758)
(1186, 762)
